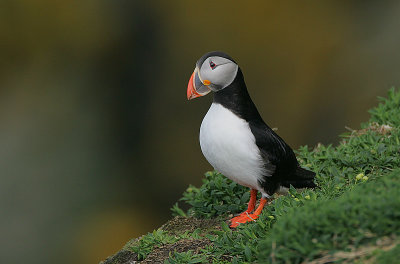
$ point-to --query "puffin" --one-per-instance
(237, 142)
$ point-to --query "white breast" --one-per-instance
(229, 146)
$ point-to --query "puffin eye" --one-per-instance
(212, 65)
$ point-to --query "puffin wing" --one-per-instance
(280, 161)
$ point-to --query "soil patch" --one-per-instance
(122, 257)
(179, 225)
(161, 253)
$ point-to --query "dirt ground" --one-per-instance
(175, 226)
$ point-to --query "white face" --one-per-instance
(219, 71)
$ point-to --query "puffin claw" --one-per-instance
(246, 217)
(237, 218)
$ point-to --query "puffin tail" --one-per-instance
(304, 174)
(302, 179)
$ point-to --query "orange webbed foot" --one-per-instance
(237, 218)
(243, 218)
(247, 217)
(250, 207)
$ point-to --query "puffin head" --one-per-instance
(214, 71)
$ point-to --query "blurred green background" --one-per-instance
(97, 138)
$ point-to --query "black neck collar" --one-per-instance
(236, 98)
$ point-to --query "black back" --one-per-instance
(278, 157)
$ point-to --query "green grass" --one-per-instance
(146, 244)
(390, 257)
(158, 238)
(185, 257)
(217, 196)
(357, 202)
(358, 217)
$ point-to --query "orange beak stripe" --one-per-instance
(191, 91)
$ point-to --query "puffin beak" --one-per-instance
(191, 91)
(196, 87)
